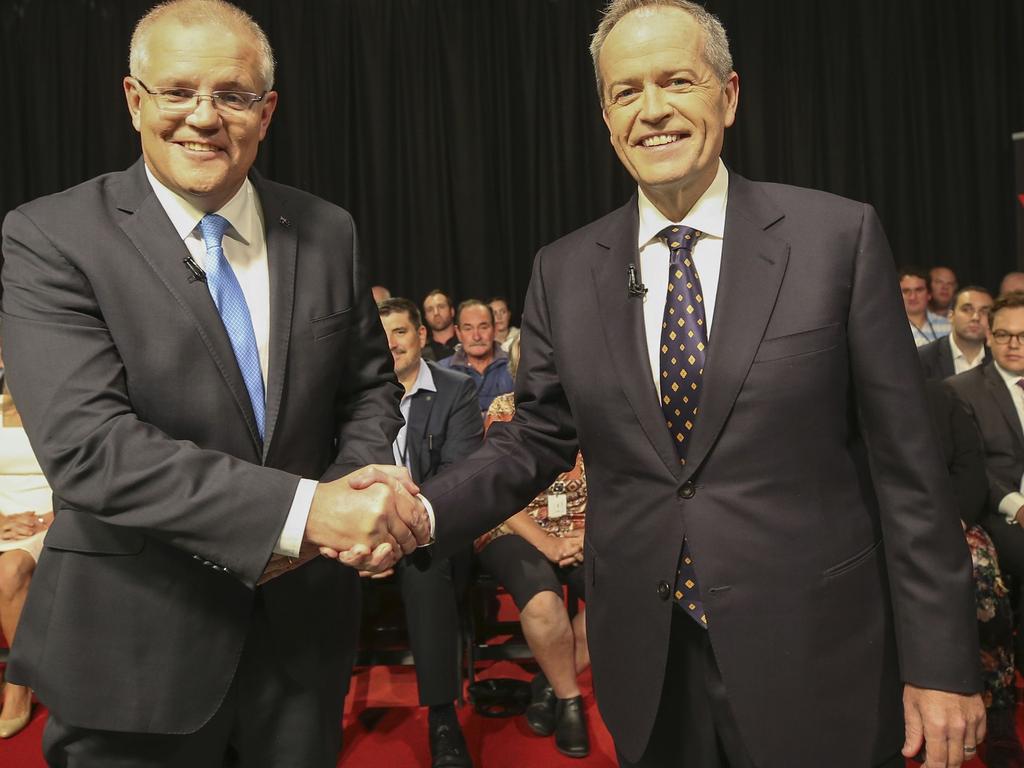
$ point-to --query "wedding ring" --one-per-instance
(969, 750)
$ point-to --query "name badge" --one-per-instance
(557, 502)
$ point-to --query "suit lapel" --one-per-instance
(152, 233)
(946, 358)
(419, 416)
(1004, 401)
(282, 256)
(753, 265)
(623, 323)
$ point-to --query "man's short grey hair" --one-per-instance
(716, 42)
(195, 12)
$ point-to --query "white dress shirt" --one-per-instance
(960, 363)
(245, 248)
(424, 381)
(708, 216)
(1014, 500)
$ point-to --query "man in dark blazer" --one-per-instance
(810, 517)
(443, 426)
(184, 449)
(995, 400)
(964, 348)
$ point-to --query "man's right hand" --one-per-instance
(368, 518)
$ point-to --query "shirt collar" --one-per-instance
(707, 215)
(242, 211)
(424, 380)
(1011, 379)
(957, 353)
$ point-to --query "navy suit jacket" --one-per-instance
(817, 507)
(937, 359)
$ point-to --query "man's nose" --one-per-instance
(653, 104)
(204, 114)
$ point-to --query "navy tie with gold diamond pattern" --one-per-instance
(683, 344)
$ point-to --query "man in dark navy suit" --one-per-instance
(965, 347)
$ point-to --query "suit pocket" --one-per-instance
(333, 323)
(853, 561)
(74, 531)
(802, 343)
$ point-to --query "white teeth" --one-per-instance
(198, 147)
(657, 141)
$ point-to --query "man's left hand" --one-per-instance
(948, 725)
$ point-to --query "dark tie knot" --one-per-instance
(679, 237)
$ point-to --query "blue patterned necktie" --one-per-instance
(683, 343)
(234, 312)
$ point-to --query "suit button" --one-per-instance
(688, 490)
(664, 590)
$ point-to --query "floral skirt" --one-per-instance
(995, 622)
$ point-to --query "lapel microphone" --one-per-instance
(195, 271)
(634, 288)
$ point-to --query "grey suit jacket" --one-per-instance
(444, 426)
(816, 505)
(167, 506)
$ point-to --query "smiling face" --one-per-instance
(202, 155)
(665, 110)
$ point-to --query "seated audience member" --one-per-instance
(925, 325)
(25, 514)
(993, 396)
(965, 458)
(532, 554)
(504, 332)
(478, 354)
(442, 426)
(439, 314)
(1012, 281)
(942, 285)
(965, 347)
(380, 293)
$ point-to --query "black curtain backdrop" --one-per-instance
(464, 134)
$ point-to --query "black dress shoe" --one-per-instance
(448, 747)
(571, 728)
(540, 715)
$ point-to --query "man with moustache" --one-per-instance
(478, 355)
(965, 347)
(442, 427)
(201, 400)
(775, 573)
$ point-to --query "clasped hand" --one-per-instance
(369, 518)
(24, 525)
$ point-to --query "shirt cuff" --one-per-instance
(290, 541)
(430, 515)
(1010, 504)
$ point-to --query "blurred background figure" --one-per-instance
(380, 293)
(926, 326)
(439, 315)
(478, 355)
(1012, 282)
(942, 285)
(25, 514)
(533, 554)
(504, 332)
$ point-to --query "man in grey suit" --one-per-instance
(775, 573)
(964, 348)
(202, 374)
(442, 427)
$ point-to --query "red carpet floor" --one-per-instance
(398, 738)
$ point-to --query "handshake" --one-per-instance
(367, 519)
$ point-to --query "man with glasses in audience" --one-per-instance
(197, 357)
(965, 347)
(994, 396)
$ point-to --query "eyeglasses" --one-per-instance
(1003, 337)
(183, 100)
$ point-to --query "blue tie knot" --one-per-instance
(213, 228)
(679, 237)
